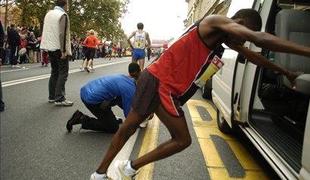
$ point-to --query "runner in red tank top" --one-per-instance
(168, 83)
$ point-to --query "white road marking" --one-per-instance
(14, 70)
(124, 154)
(45, 76)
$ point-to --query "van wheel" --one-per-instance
(222, 124)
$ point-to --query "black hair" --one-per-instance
(251, 18)
(133, 68)
(140, 26)
(61, 3)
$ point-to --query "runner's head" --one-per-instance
(248, 18)
(140, 26)
(91, 32)
(134, 70)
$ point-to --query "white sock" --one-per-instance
(128, 170)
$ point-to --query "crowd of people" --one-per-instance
(22, 45)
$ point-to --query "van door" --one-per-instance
(245, 72)
(227, 82)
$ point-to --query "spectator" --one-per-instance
(23, 47)
(13, 42)
(1, 59)
(56, 40)
(2, 53)
(31, 47)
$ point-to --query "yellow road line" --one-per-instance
(213, 161)
(148, 144)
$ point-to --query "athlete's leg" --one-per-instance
(120, 138)
(141, 63)
(82, 65)
(89, 64)
(85, 63)
(92, 64)
(180, 139)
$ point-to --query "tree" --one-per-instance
(101, 15)
(33, 10)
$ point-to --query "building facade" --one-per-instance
(197, 9)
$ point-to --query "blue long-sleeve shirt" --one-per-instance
(107, 88)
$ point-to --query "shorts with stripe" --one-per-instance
(150, 93)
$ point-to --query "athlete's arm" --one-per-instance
(148, 39)
(128, 40)
(260, 60)
(261, 39)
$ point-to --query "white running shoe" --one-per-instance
(96, 176)
(63, 103)
(122, 173)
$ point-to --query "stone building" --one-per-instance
(200, 8)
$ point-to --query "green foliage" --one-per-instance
(101, 15)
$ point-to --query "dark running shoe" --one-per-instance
(75, 119)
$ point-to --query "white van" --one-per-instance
(274, 117)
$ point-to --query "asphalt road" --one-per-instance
(36, 146)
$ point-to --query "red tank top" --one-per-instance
(180, 64)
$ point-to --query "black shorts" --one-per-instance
(150, 94)
(90, 53)
(146, 99)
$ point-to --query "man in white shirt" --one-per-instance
(56, 40)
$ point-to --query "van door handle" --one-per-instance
(235, 98)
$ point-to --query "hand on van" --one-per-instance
(291, 76)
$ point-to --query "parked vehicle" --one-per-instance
(273, 116)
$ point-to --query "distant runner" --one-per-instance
(141, 41)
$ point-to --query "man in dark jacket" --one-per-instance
(1, 43)
(1, 60)
(13, 42)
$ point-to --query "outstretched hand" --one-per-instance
(291, 76)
